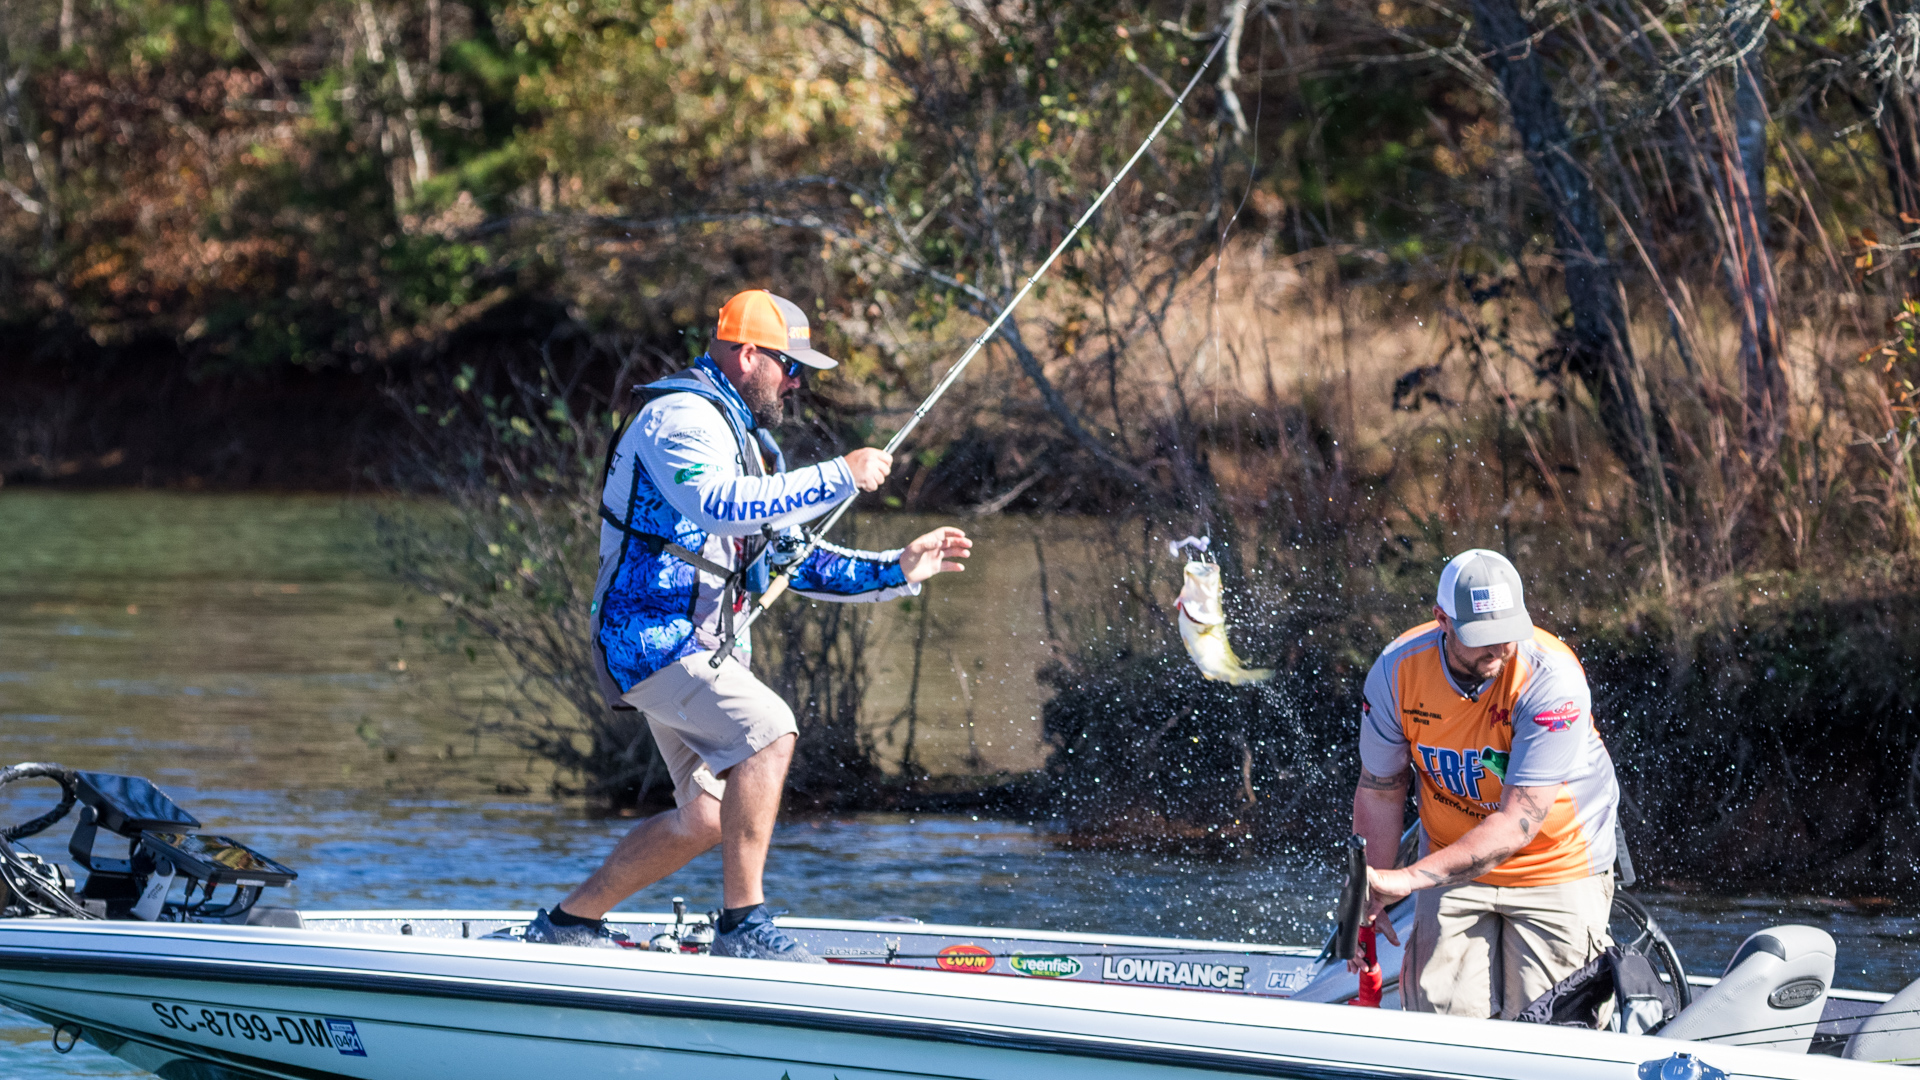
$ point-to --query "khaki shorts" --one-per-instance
(706, 720)
(1486, 951)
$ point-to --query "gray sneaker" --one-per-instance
(541, 931)
(756, 938)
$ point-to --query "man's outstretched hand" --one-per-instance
(938, 551)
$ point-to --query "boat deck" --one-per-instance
(1248, 968)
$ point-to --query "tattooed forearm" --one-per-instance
(1480, 865)
(1522, 813)
(1372, 782)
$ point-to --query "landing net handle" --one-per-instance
(1354, 898)
(781, 580)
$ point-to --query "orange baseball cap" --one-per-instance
(757, 317)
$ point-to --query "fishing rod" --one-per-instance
(780, 581)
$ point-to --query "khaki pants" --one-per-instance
(1487, 951)
(707, 720)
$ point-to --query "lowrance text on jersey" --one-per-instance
(726, 510)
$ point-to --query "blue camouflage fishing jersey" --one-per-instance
(693, 470)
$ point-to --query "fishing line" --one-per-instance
(779, 584)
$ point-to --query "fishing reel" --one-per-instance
(160, 852)
(28, 883)
(685, 937)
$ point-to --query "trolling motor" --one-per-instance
(160, 850)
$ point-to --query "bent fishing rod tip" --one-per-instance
(779, 584)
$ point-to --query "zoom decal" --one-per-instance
(1171, 973)
(970, 958)
(329, 1033)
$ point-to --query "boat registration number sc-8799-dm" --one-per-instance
(321, 1033)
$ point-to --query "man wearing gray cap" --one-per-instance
(1516, 792)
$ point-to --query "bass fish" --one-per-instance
(1203, 628)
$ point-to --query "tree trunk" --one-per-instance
(1895, 112)
(1749, 268)
(1598, 352)
(1230, 70)
(1899, 134)
(45, 184)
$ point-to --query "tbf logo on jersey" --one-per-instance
(1460, 771)
(1496, 597)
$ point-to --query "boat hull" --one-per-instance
(306, 1003)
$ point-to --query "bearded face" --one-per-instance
(762, 393)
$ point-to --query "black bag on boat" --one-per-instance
(1642, 1003)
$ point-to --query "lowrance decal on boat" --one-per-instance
(1040, 966)
(321, 1033)
(1173, 973)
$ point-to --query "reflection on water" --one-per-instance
(223, 640)
(241, 652)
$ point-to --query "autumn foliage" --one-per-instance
(1627, 290)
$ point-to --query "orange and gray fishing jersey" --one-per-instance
(1529, 726)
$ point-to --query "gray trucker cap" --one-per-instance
(1480, 592)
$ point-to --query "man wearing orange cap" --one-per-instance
(697, 510)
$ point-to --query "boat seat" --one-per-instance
(1891, 1033)
(1771, 997)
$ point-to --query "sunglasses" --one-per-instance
(794, 368)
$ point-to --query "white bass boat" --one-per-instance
(137, 961)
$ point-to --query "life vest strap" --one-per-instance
(656, 544)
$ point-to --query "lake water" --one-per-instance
(241, 651)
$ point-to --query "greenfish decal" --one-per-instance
(691, 472)
(1495, 762)
(1044, 967)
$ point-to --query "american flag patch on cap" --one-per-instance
(1496, 597)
